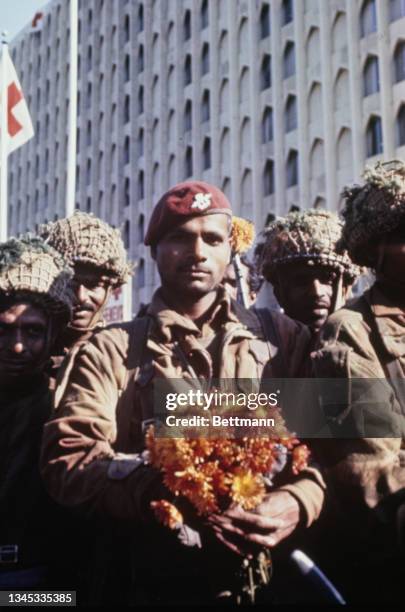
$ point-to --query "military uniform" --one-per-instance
(85, 239)
(107, 397)
(364, 343)
(92, 447)
(29, 558)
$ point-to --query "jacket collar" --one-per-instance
(166, 318)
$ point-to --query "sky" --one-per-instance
(14, 16)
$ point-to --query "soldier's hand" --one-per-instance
(270, 523)
(166, 367)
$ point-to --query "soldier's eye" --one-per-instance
(328, 277)
(213, 239)
(35, 332)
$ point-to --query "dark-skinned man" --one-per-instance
(97, 255)
(250, 277)
(191, 330)
(35, 303)
(310, 272)
(363, 345)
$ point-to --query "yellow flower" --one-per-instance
(242, 236)
(248, 489)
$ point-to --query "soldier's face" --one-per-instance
(24, 342)
(192, 258)
(391, 252)
(230, 282)
(91, 293)
(306, 293)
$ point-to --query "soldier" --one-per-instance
(35, 302)
(365, 342)
(311, 274)
(191, 330)
(250, 277)
(96, 253)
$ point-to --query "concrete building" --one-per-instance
(278, 102)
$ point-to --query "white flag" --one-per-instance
(19, 122)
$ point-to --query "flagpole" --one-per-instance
(3, 141)
(72, 119)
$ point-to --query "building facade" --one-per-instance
(278, 102)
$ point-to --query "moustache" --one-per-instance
(81, 307)
(318, 304)
(192, 268)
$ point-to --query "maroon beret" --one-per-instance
(189, 199)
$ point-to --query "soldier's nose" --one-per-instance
(81, 293)
(199, 250)
(18, 347)
(316, 287)
(17, 343)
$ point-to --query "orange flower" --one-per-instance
(227, 452)
(193, 484)
(213, 473)
(201, 448)
(300, 457)
(220, 481)
(167, 514)
(259, 455)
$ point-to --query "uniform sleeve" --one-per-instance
(78, 463)
(309, 489)
(361, 461)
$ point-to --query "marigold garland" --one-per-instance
(214, 473)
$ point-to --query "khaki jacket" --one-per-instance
(356, 343)
(89, 456)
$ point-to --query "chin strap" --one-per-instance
(338, 298)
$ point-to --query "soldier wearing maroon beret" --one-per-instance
(192, 330)
(185, 200)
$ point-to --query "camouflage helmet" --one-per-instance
(373, 209)
(313, 236)
(84, 238)
(31, 268)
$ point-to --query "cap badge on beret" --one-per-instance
(202, 201)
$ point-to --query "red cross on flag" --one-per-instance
(18, 118)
